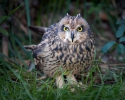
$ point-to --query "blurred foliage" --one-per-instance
(119, 46)
(3, 19)
(17, 83)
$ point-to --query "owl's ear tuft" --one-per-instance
(79, 15)
(67, 15)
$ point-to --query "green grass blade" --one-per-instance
(28, 18)
(5, 18)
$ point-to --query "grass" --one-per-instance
(18, 84)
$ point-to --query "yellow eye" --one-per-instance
(79, 29)
(65, 28)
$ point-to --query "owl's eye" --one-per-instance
(65, 28)
(80, 29)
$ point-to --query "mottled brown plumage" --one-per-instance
(67, 46)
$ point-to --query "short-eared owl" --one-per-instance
(67, 46)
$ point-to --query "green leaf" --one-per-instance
(121, 48)
(120, 31)
(3, 31)
(121, 21)
(107, 46)
(122, 39)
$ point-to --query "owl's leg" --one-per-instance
(71, 79)
(60, 81)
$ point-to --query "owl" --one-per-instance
(66, 49)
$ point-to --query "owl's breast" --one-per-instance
(70, 54)
(75, 58)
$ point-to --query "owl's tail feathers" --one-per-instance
(30, 47)
(38, 29)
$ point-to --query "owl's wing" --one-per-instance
(45, 32)
(38, 29)
(50, 32)
(42, 30)
(30, 47)
(37, 52)
(43, 48)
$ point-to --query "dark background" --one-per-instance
(101, 15)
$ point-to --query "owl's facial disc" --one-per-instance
(73, 29)
(72, 36)
(69, 33)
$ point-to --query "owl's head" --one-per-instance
(73, 29)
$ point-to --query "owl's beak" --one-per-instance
(72, 36)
